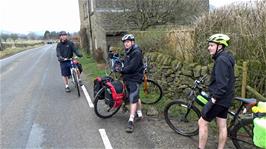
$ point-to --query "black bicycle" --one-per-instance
(150, 91)
(182, 115)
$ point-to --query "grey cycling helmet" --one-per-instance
(128, 37)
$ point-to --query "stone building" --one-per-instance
(100, 26)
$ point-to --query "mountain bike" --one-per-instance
(150, 91)
(242, 132)
(182, 115)
(74, 74)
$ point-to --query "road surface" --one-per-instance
(36, 112)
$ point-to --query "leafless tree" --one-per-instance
(142, 14)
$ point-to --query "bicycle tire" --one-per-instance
(153, 94)
(174, 114)
(102, 109)
(242, 134)
(76, 82)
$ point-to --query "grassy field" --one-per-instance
(10, 51)
(22, 46)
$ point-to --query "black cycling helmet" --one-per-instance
(128, 37)
(62, 33)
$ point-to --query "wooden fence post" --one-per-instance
(244, 79)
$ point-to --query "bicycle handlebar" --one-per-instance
(197, 83)
(70, 59)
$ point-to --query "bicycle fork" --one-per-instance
(184, 118)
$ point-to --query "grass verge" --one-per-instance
(11, 51)
(90, 68)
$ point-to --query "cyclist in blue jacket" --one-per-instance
(221, 89)
(132, 77)
(64, 51)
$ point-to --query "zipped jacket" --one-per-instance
(133, 65)
(66, 50)
(222, 81)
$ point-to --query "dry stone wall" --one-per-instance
(177, 77)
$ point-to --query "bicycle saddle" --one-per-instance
(247, 100)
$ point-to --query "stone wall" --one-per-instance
(177, 77)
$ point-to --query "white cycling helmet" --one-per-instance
(128, 37)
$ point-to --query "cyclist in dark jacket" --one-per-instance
(133, 65)
(132, 76)
(221, 90)
(64, 51)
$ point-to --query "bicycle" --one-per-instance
(74, 74)
(182, 116)
(150, 91)
(104, 105)
(242, 132)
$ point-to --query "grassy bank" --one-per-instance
(11, 51)
(90, 68)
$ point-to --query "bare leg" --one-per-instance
(221, 122)
(65, 80)
(139, 105)
(133, 109)
(203, 132)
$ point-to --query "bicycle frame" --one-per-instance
(193, 95)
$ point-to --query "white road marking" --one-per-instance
(87, 96)
(105, 139)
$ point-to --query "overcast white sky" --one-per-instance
(23, 16)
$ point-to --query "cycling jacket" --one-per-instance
(133, 65)
(222, 81)
(66, 49)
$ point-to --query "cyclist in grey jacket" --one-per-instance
(221, 90)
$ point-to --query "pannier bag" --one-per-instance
(259, 129)
(114, 93)
(98, 84)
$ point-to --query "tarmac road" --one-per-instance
(37, 113)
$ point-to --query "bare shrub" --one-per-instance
(246, 25)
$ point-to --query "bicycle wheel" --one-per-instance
(182, 119)
(101, 106)
(242, 134)
(150, 92)
(75, 76)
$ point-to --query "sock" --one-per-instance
(139, 113)
(66, 85)
(131, 118)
